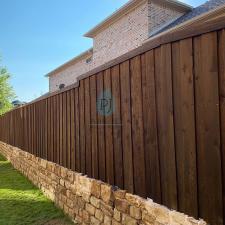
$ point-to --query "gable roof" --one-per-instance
(204, 8)
(131, 5)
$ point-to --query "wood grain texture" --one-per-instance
(208, 128)
(117, 127)
(153, 186)
(94, 127)
(126, 126)
(72, 128)
(101, 131)
(64, 129)
(82, 128)
(77, 132)
(184, 115)
(137, 127)
(88, 127)
(165, 123)
(109, 133)
(68, 128)
(221, 47)
(165, 135)
(57, 127)
(61, 128)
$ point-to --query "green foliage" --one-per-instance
(21, 203)
(6, 91)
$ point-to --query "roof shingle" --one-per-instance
(206, 7)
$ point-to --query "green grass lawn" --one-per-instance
(21, 203)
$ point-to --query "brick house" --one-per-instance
(126, 29)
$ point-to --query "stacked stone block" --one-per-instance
(90, 201)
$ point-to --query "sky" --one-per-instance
(39, 35)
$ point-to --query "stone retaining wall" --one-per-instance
(89, 201)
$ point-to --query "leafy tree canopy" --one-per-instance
(6, 91)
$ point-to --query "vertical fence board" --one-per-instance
(153, 188)
(68, 123)
(46, 129)
(64, 129)
(137, 127)
(166, 125)
(82, 127)
(126, 126)
(73, 136)
(54, 129)
(94, 128)
(208, 128)
(117, 127)
(108, 132)
(221, 48)
(88, 127)
(77, 132)
(61, 128)
(57, 129)
(101, 130)
(184, 113)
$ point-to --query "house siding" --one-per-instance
(69, 75)
(127, 33)
(124, 35)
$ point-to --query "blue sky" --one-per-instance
(39, 35)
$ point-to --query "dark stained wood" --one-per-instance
(108, 132)
(38, 128)
(184, 113)
(58, 128)
(32, 130)
(165, 125)
(88, 127)
(94, 127)
(64, 129)
(137, 127)
(46, 128)
(126, 127)
(208, 129)
(164, 137)
(77, 131)
(82, 127)
(42, 111)
(11, 137)
(221, 48)
(52, 129)
(117, 127)
(73, 137)
(49, 130)
(153, 186)
(61, 128)
(101, 131)
(68, 123)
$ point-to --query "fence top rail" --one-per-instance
(207, 22)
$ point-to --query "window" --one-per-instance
(89, 60)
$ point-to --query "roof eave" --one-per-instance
(89, 51)
(132, 4)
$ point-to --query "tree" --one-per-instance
(6, 91)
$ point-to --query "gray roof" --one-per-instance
(206, 7)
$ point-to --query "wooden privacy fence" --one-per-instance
(164, 137)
